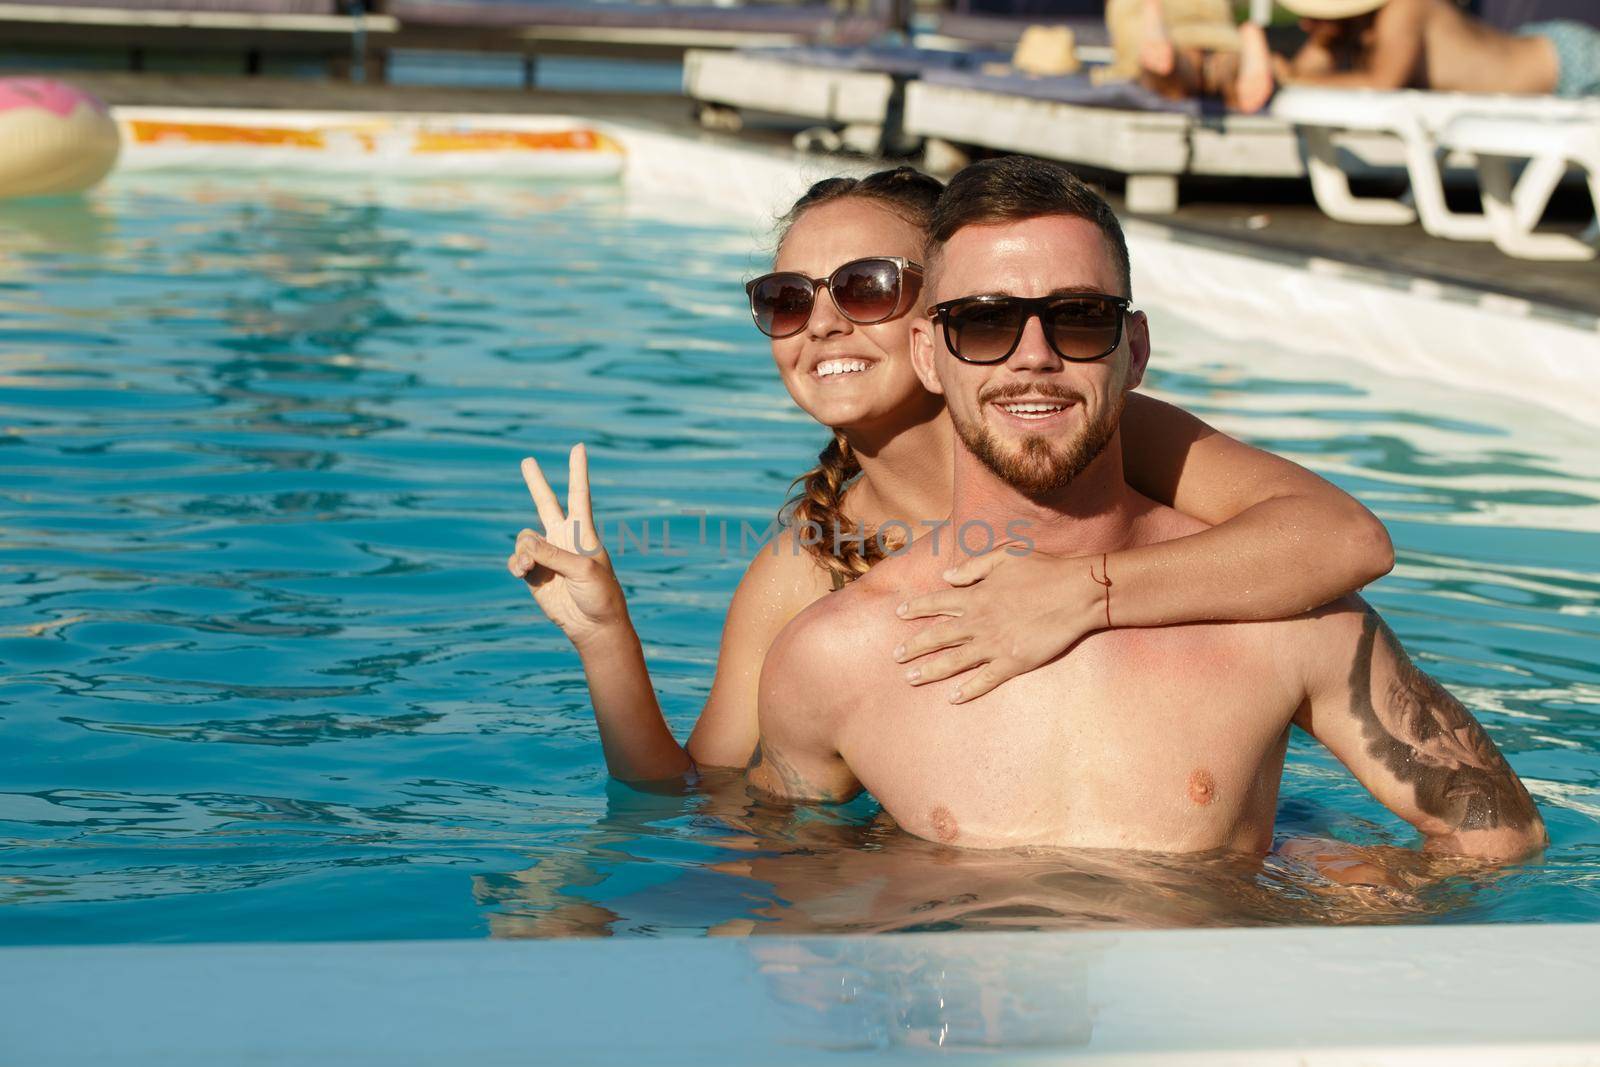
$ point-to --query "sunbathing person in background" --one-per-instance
(1170, 27)
(1160, 739)
(1387, 44)
(1192, 50)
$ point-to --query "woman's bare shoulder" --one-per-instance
(785, 574)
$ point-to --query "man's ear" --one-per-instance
(1138, 349)
(922, 355)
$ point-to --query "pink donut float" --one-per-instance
(54, 139)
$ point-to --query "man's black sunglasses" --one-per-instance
(1079, 327)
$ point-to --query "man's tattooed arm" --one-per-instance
(772, 775)
(1417, 749)
(797, 757)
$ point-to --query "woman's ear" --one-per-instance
(922, 355)
(1138, 348)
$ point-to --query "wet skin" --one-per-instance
(1168, 739)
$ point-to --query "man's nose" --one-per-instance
(1033, 351)
(826, 321)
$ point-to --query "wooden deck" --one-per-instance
(1279, 216)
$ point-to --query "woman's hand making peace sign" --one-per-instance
(567, 568)
(570, 576)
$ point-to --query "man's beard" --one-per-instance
(1040, 465)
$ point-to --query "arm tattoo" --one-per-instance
(781, 780)
(1425, 737)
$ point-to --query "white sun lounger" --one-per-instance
(1492, 131)
(857, 89)
(1512, 208)
(1120, 128)
(767, 81)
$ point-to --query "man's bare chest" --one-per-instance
(1140, 739)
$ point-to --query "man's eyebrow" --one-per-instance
(1066, 290)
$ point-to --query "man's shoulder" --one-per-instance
(1347, 615)
(837, 630)
(814, 664)
(1156, 522)
(1294, 648)
(1319, 646)
(846, 616)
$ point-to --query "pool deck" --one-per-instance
(1278, 217)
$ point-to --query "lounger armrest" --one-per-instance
(1516, 137)
(1344, 109)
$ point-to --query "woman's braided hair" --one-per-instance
(819, 505)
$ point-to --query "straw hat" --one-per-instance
(1332, 9)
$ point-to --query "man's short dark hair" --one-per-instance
(1014, 188)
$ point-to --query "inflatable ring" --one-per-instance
(54, 139)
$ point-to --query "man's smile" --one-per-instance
(1036, 406)
(1032, 411)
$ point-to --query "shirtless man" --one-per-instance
(1385, 44)
(1167, 739)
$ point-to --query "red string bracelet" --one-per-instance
(1103, 580)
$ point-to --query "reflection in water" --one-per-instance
(879, 993)
(810, 872)
(68, 225)
(262, 675)
(277, 730)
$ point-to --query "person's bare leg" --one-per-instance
(1220, 77)
(1184, 81)
(1255, 84)
(1197, 73)
(1155, 44)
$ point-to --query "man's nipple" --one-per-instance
(1202, 787)
(944, 824)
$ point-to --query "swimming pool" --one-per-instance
(265, 677)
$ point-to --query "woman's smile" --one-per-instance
(842, 368)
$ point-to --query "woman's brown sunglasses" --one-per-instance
(865, 291)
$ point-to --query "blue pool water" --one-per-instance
(263, 675)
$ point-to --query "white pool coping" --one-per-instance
(1457, 995)
(1447, 995)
